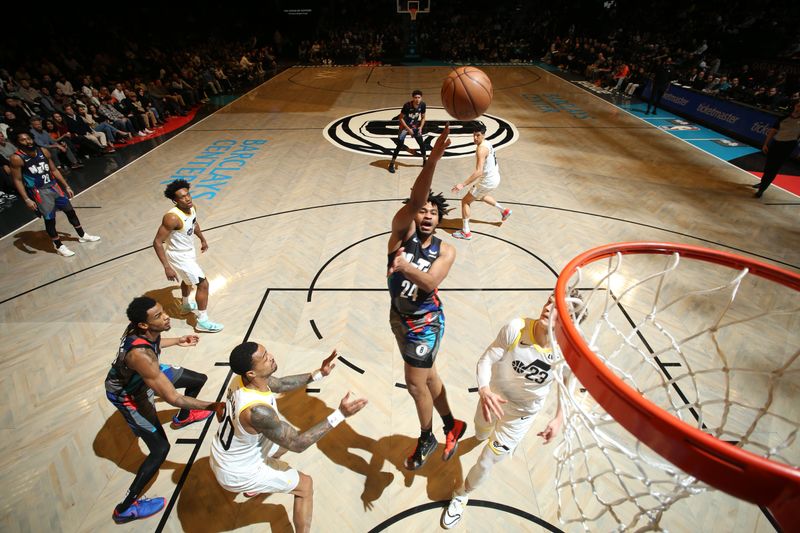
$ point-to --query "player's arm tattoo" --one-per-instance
(288, 383)
(266, 421)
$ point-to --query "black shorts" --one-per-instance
(418, 337)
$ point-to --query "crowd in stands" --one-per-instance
(78, 99)
(709, 44)
(628, 66)
(80, 104)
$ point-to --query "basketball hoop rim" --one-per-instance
(741, 473)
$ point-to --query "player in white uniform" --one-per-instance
(252, 435)
(487, 170)
(178, 228)
(514, 379)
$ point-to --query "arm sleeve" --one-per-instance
(497, 350)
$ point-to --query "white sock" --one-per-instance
(465, 227)
(202, 316)
(185, 300)
(500, 207)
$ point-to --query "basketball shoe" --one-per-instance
(421, 453)
(452, 515)
(141, 508)
(451, 439)
(195, 415)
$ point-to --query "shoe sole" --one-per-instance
(126, 519)
(173, 425)
(205, 330)
(445, 455)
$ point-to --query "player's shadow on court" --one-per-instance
(32, 241)
(171, 303)
(449, 225)
(205, 507)
(116, 442)
(303, 411)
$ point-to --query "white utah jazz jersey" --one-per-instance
(181, 240)
(521, 370)
(233, 449)
(491, 171)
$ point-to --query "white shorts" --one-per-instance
(185, 265)
(482, 189)
(271, 476)
(505, 434)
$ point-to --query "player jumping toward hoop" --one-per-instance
(418, 263)
(514, 378)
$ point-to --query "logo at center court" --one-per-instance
(375, 133)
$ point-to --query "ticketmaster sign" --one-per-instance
(725, 116)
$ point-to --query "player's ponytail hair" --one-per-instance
(137, 312)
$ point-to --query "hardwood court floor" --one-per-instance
(298, 213)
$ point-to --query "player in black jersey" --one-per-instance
(412, 122)
(44, 190)
(418, 262)
(136, 374)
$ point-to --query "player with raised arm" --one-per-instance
(514, 379)
(137, 374)
(252, 436)
(418, 263)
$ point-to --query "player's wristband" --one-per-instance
(316, 375)
(335, 418)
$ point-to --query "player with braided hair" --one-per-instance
(418, 262)
(135, 376)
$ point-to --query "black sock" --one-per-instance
(127, 502)
(80, 231)
(449, 422)
(425, 434)
(57, 243)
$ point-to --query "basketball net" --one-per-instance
(413, 12)
(715, 347)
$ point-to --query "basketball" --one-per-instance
(466, 93)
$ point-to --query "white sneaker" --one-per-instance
(452, 515)
(63, 251)
(142, 134)
(88, 238)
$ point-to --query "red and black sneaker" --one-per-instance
(421, 453)
(195, 415)
(452, 436)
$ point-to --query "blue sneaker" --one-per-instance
(141, 508)
(208, 326)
